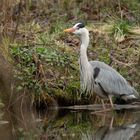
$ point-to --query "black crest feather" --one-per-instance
(81, 25)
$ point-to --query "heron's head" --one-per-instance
(78, 29)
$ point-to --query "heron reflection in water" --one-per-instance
(121, 132)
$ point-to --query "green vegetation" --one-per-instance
(44, 64)
(120, 30)
(45, 59)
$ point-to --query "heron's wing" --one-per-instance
(111, 81)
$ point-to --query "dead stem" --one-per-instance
(18, 19)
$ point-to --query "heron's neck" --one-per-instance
(83, 50)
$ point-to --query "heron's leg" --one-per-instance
(96, 99)
(110, 99)
(103, 104)
(111, 123)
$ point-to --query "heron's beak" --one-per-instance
(70, 30)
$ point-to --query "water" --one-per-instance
(64, 124)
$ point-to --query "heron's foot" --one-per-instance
(108, 106)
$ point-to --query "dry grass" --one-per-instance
(6, 15)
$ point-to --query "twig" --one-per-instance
(121, 63)
(119, 4)
(11, 94)
(18, 18)
(21, 110)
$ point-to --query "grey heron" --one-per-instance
(98, 77)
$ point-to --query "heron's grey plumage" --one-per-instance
(112, 82)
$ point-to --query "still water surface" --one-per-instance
(66, 124)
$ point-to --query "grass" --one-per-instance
(120, 29)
